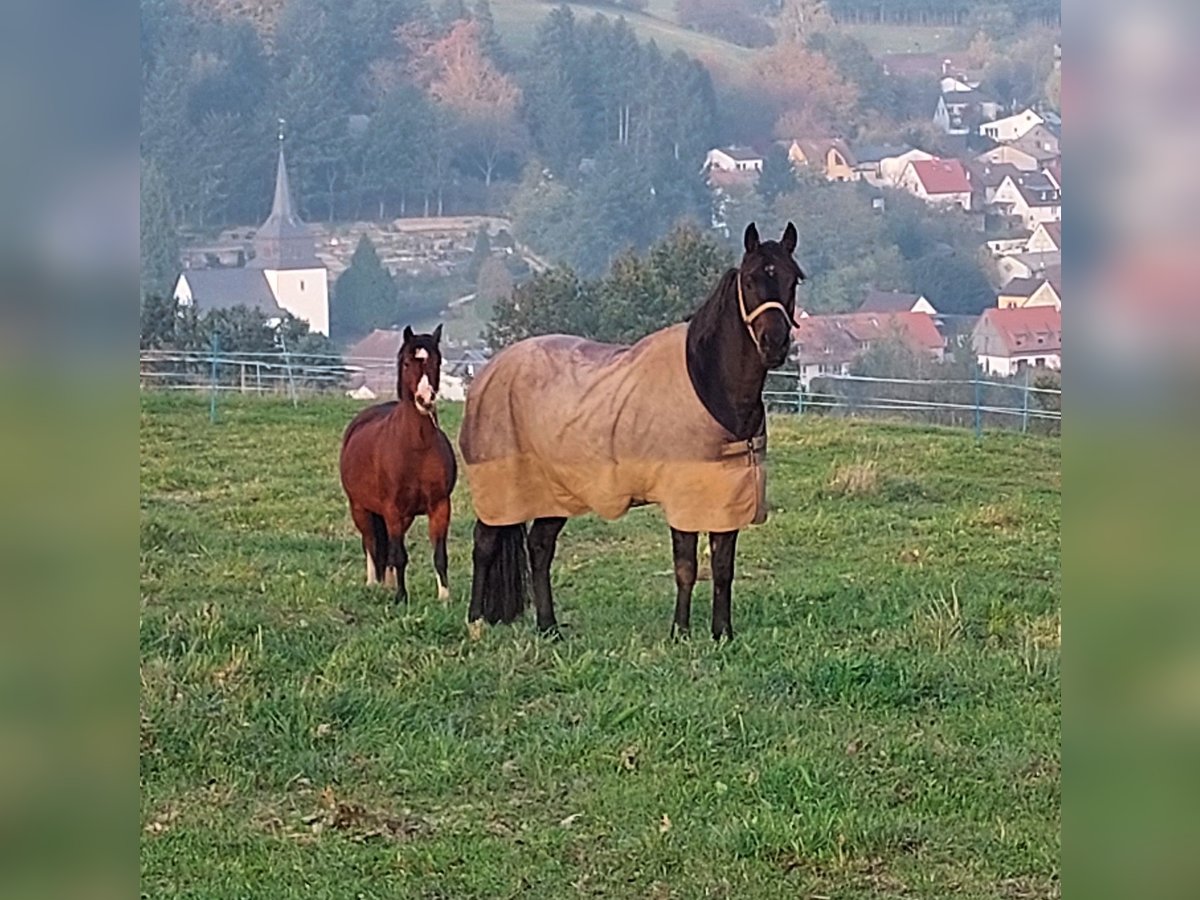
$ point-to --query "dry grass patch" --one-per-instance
(997, 517)
(856, 479)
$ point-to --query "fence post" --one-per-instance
(978, 398)
(1025, 404)
(243, 366)
(799, 385)
(212, 401)
(287, 362)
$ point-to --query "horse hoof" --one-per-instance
(443, 593)
(679, 635)
(551, 633)
(475, 629)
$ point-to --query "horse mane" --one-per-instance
(706, 320)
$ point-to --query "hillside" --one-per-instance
(887, 722)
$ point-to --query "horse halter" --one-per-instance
(748, 318)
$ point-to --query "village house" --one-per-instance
(1029, 197)
(1012, 127)
(938, 181)
(1008, 341)
(283, 275)
(894, 302)
(734, 159)
(1009, 154)
(1040, 142)
(1043, 288)
(372, 363)
(829, 156)
(829, 345)
(958, 111)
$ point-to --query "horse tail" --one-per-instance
(382, 551)
(506, 576)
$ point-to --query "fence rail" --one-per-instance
(979, 403)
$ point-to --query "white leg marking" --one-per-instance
(443, 591)
(389, 576)
(371, 577)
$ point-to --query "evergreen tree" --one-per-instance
(777, 175)
(364, 296)
(159, 238)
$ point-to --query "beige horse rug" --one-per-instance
(561, 426)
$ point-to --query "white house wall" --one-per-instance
(304, 293)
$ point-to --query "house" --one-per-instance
(1043, 288)
(895, 301)
(1039, 142)
(985, 178)
(830, 156)
(1030, 197)
(891, 166)
(938, 181)
(828, 345)
(1046, 238)
(1008, 341)
(958, 112)
(734, 159)
(1010, 154)
(1012, 127)
(372, 361)
(284, 260)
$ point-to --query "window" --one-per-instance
(301, 284)
(1040, 362)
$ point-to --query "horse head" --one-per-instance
(766, 284)
(420, 364)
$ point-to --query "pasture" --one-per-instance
(886, 724)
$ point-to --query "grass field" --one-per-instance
(886, 724)
(517, 22)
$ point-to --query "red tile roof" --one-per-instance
(942, 176)
(1030, 329)
(840, 339)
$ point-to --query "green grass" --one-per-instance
(517, 22)
(907, 38)
(886, 724)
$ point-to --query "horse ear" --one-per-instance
(437, 334)
(408, 333)
(789, 239)
(751, 238)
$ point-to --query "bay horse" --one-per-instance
(558, 426)
(397, 464)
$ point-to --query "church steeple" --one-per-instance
(283, 241)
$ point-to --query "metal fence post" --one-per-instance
(978, 398)
(212, 402)
(799, 385)
(287, 362)
(1025, 404)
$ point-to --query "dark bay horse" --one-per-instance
(558, 426)
(397, 464)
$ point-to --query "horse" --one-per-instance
(397, 464)
(558, 426)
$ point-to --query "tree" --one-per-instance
(777, 176)
(396, 156)
(806, 91)
(494, 281)
(159, 238)
(953, 282)
(364, 296)
(480, 252)
(550, 303)
(458, 75)
(799, 20)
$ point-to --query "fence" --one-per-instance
(974, 403)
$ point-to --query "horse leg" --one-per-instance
(483, 552)
(683, 545)
(543, 538)
(364, 522)
(397, 528)
(439, 527)
(724, 547)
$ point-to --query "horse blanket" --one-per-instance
(560, 426)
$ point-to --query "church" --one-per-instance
(284, 274)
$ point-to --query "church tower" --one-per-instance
(285, 252)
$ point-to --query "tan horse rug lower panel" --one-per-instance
(561, 426)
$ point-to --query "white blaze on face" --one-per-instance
(421, 353)
(425, 392)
